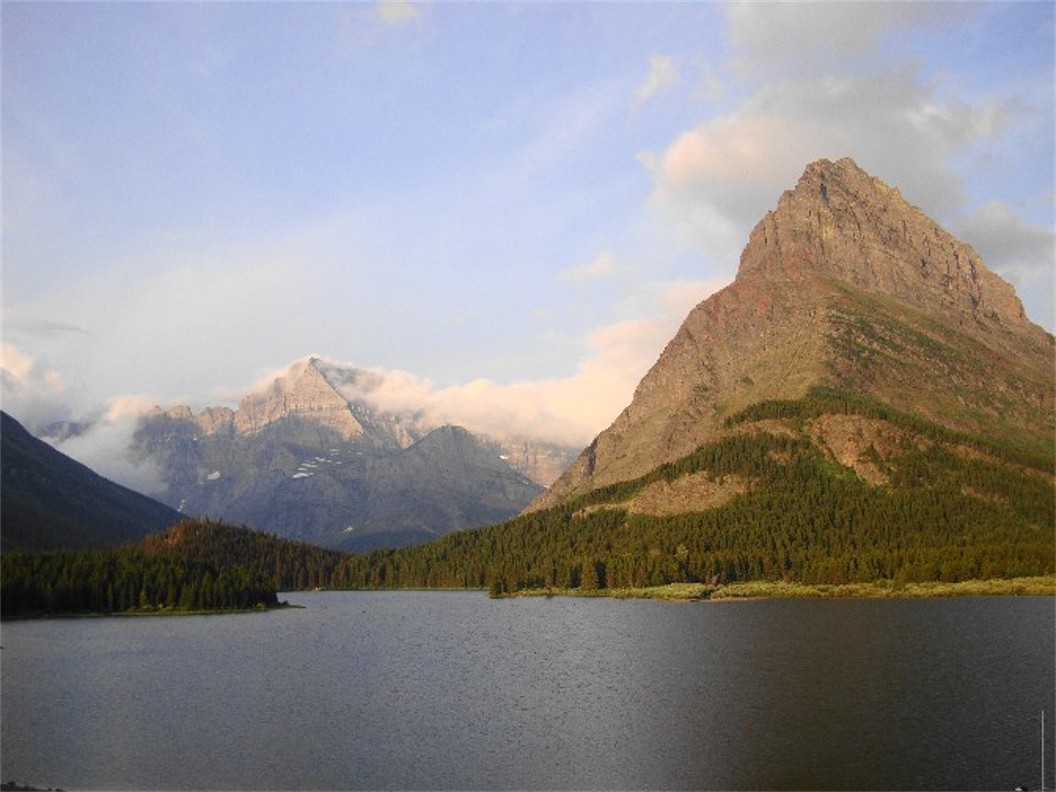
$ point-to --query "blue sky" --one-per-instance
(491, 201)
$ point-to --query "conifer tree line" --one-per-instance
(123, 581)
(943, 516)
(803, 519)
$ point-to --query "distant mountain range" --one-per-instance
(308, 458)
(48, 501)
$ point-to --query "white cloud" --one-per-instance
(105, 447)
(37, 396)
(159, 325)
(396, 12)
(827, 80)
(776, 38)
(569, 410)
(604, 265)
(715, 181)
(16, 365)
(663, 75)
(710, 87)
(33, 392)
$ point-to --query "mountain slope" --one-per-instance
(49, 501)
(846, 286)
(305, 460)
(827, 489)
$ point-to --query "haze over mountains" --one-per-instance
(309, 457)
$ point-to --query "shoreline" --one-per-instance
(756, 590)
(144, 613)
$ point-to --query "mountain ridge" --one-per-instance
(308, 457)
(337, 397)
(50, 501)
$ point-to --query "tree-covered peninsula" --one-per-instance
(135, 579)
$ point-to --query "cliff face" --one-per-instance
(843, 285)
(304, 393)
(314, 397)
(841, 222)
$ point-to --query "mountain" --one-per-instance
(49, 501)
(845, 286)
(308, 458)
(866, 402)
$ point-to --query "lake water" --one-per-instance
(457, 691)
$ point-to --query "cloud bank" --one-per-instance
(569, 411)
(820, 86)
(100, 437)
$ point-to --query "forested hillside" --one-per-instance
(138, 578)
(950, 508)
(286, 564)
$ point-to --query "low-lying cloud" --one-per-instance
(570, 410)
(36, 395)
(567, 411)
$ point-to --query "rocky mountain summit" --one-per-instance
(303, 397)
(845, 286)
(308, 457)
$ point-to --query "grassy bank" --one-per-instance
(682, 592)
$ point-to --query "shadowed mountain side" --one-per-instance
(49, 501)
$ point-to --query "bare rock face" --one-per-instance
(848, 286)
(315, 396)
(842, 222)
(304, 393)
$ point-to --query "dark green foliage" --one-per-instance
(193, 566)
(943, 516)
(287, 565)
(822, 401)
(117, 581)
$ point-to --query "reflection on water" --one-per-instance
(453, 690)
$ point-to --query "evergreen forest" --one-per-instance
(954, 508)
(804, 518)
(125, 581)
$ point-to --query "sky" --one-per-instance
(506, 204)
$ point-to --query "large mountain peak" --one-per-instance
(847, 286)
(303, 391)
(841, 222)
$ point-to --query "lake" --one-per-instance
(452, 690)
